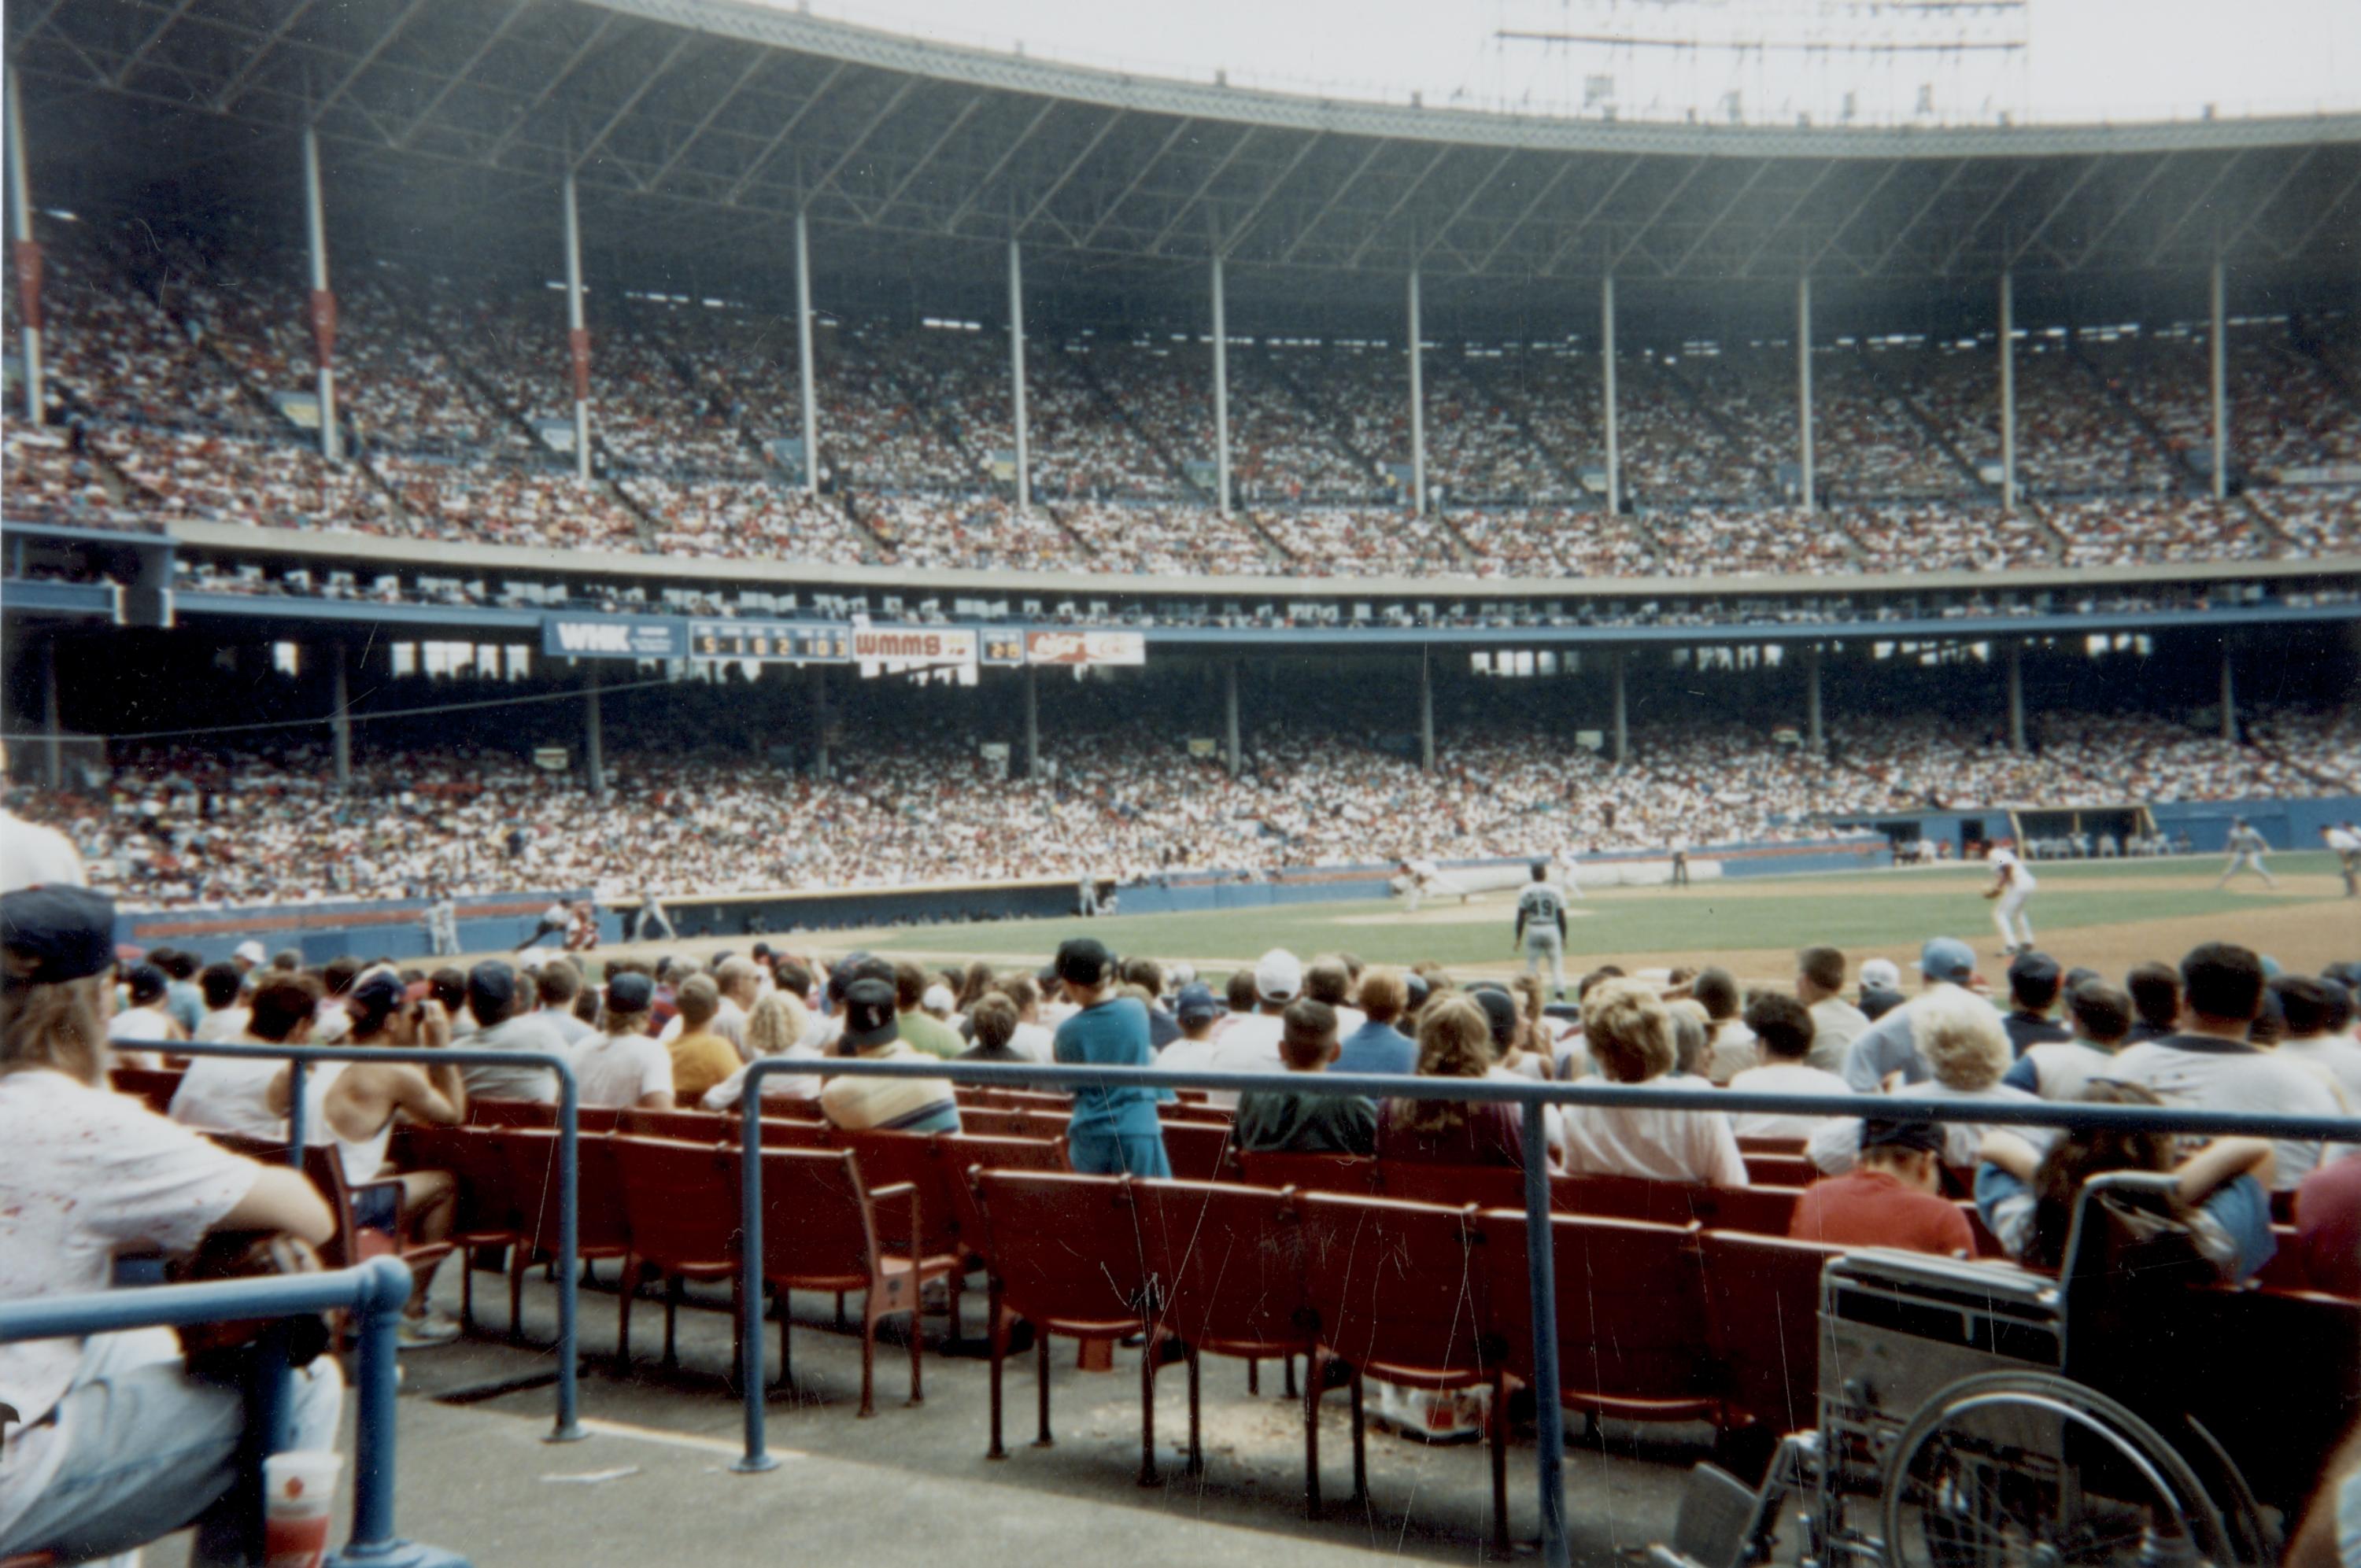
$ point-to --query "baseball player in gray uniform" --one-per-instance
(1541, 927)
(2247, 848)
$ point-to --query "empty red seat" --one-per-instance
(1763, 1326)
(1759, 1211)
(682, 1207)
(1452, 1186)
(778, 1133)
(601, 1228)
(1311, 1172)
(1631, 1315)
(486, 1111)
(825, 1229)
(1780, 1170)
(1197, 1150)
(1400, 1295)
(1066, 1256)
(1632, 1198)
(487, 1213)
(152, 1087)
(689, 1126)
(1226, 1266)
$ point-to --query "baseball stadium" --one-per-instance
(1382, 748)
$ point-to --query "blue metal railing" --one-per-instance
(568, 1428)
(375, 1293)
(1531, 1098)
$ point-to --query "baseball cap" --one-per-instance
(58, 933)
(379, 992)
(1278, 976)
(1880, 975)
(2034, 971)
(1415, 984)
(1946, 957)
(630, 992)
(144, 980)
(869, 1017)
(252, 952)
(1499, 1013)
(1878, 1133)
(1196, 1004)
(491, 990)
(939, 999)
(1082, 961)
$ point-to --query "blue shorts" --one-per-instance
(1107, 1153)
(377, 1209)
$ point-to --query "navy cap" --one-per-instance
(1879, 1133)
(1197, 1004)
(630, 992)
(491, 990)
(1415, 983)
(1083, 960)
(56, 933)
(1499, 1012)
(2034, 971)
(379, 991)
(147, 982)
(869, 1017)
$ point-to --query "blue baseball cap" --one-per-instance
(1946, 957)
(1196, 1004)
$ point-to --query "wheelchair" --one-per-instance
(1978, 1415)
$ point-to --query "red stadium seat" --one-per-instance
(1755, 1143)
(1197, 1150)
(687, 1127)
(1759, 1211)
(1452, 1186)
(1631, 1315)
(1781, 1170)
(601, 1228)
(989, 1122)
(918, 1161)
(1312, 1173)
(1633, 1197)
(825, 1229)
(1228, 1267)
(485, 1112)
(152, 1087)
(487, 1214)
(778, 1133)
(352, 1244)
(1400, 1295)
(1067, 1257)
(1763, 1325)
(682, 1209)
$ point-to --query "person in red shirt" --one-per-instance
(1889, 1199)
(2328, 1226)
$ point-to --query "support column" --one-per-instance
(594, 734)
(1017, 374)
(577, 336)
(53, 752)
(1032, 721)
(2229, 697)
(2007, 393)
(340, 715)
(1417, 401)
(804, 357)
(323, 302)
(1425, 711)
(1230, 751)
(27, 252)
(2016, 694)
(1607, 362)
(2220, 393)
(820, 721)
(1804, 386)
(1221, 391)
(1812, 728)
(1622, 712)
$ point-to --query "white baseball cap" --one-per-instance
(1882, 974)
(939, 999)
(1278, 976)
(252, 952)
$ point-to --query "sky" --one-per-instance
(2079, 59)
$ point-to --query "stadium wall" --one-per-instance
(2287, 824)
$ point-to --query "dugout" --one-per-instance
(2034, 825)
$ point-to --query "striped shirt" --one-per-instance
(891, 1105)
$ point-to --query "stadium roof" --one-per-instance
(698, 127)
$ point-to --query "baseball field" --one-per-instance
(2107, 915)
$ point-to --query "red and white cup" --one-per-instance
(298, 1494)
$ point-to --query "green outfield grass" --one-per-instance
(1873, 911)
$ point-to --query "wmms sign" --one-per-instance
(621, 637)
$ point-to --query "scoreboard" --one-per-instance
(777, 641)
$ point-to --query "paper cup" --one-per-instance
(298, 1493)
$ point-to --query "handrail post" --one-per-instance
(373, 1543)
(1541, 1268)
(298, 1119)
(750, 1372)
(569, 1236)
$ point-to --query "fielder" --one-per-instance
(2012, 886)
(1541, 927)
(2346, 841)
(442, 926)
(2247, 848)
(1422, 876)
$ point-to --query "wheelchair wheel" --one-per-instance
(2031, 1470)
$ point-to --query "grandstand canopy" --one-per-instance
(699, 126)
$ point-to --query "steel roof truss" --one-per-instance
(950, 225)
(2204, 203)
(1460, 211)
(1829, 168)
(1663, 204)
(1238, 228)
(1180, 214)
(2327, 210)
(1073, 167)
(1736, 197)
(1335, 196)
(779, 137)
(942, 138)
(1385, 223)
(1967, 238)
(2091, 247)
(1564, 166)
(632, 101)
(1582, 226)
(452, 83)
(557, 79)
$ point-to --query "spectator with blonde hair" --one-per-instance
(779, 1025)
(1964, 1044)
(1454, 1041)
(1629, 1031)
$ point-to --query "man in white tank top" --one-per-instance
(359, 1112)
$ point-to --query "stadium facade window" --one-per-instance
(286, 658)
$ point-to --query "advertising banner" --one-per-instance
(614, 637)
(916, 651)
(1085, 648)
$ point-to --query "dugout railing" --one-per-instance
(1531, 1100)
(567, 1427)
(374, 1292)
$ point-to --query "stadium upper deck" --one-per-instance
(177, 346)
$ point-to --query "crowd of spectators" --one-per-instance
(2141, 530)
(2285, 411)
(1712, 542)
(2071, 437)
(174, 827)
(746, 520)
(1947, 537)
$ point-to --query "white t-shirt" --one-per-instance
(1247, 1044)
(232, 1095)
(86, 1173)
(224, 1024)
(34, 855)
(2334, 1057)
(1663, 1145)
(1034, 1043)
(1836, 1024)
(1730, 1051)
(2020, 877)
(1836, 1146)
(2201, 1071)
(526, 1032)
(2063, 1068)
(1785, 1078)
(622, 1069)
(138, 1026)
